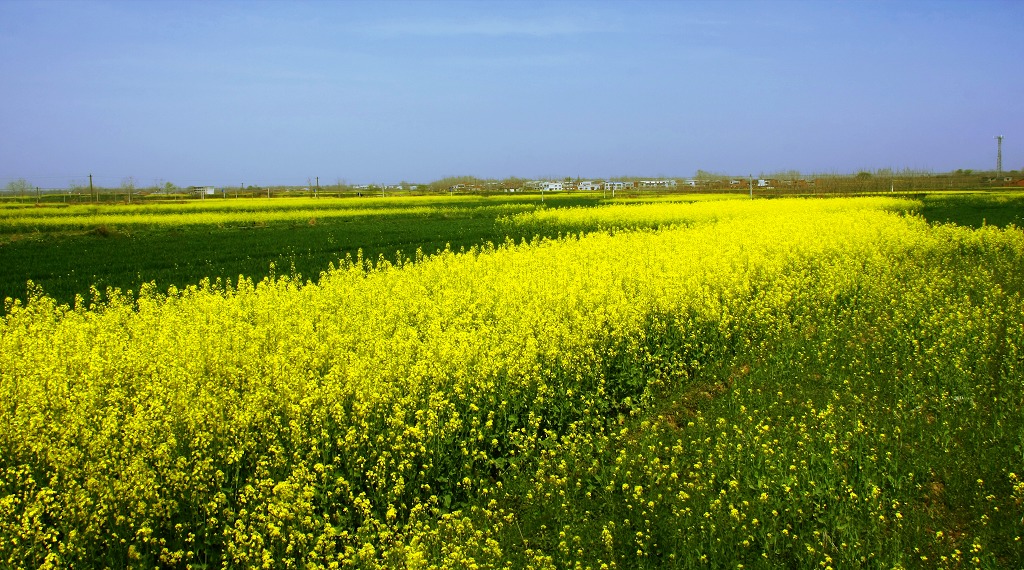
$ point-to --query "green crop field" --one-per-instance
(578, 383)
(66, 250)
(975, 209)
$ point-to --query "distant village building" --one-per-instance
(614, 185)
(657, 183)
(588, 185)
(554, 187)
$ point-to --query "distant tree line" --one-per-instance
(764, 183)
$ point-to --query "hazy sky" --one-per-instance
(275, 93)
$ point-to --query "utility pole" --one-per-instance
(999, 156)
(750, 180)
(316, 193)
(91, 194)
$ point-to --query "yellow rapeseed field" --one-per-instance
(785, 383)
(16, 218)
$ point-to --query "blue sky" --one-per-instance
(276, 93)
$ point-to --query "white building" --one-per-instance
(658, 183)
(554, 187)
(588, 185)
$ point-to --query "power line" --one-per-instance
(47, 177)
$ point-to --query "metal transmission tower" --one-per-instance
(999, 155)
